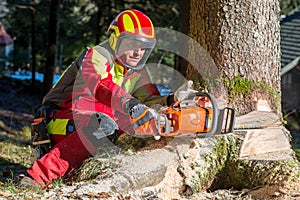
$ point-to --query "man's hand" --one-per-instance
(141, 114)
(184, 91)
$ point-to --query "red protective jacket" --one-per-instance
(94, 82)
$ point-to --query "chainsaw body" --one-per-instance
(187, 117)
(194, 116)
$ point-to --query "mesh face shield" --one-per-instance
(127, 48)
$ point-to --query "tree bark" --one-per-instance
(243, 39)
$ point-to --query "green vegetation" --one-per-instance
(288, 5)
(95, 166)
(15, 151)
(297, 152)
(225, 149)
(223, 169)
(239, 86)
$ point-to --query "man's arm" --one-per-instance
(147, 92)
(150, 96)
(96, 73)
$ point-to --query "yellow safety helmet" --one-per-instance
(132, 29)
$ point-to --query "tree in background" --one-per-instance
(51, 47)
(287, 6)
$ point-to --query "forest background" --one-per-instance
(71, 26)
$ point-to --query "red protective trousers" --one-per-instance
(63, 158)
(69, 150)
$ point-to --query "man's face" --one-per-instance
(132, 57)
(131, 51)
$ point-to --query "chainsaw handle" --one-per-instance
(166, 124)
(216, 113)
(215, 109)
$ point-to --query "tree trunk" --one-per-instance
(33, 48)
(242, 37)
(52, 44)
(181, 64)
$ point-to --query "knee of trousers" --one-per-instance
(101, 129)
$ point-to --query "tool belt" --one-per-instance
(40, 138)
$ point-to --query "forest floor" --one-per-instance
(17, 99)
(16, 104)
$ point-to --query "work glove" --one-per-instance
(184, 91)
(141, 114)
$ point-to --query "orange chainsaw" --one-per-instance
(196, 115)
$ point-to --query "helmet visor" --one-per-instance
(133, 52)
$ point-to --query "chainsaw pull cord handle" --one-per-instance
(164, 122)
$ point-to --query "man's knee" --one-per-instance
(101, 126)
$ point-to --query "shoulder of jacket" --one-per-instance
(105, 53)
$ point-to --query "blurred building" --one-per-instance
(290, 60)
(6, 48)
